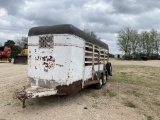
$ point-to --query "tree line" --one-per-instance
(136, 44)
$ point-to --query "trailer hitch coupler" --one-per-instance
(22, 96)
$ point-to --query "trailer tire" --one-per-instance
(109, 68)
(104, 79)
(100, 83)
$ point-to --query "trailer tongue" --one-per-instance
(33, 92)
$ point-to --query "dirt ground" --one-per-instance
(127, 100)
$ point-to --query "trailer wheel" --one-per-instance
(100, 84)
(109, 68)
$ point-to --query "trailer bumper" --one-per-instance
(33, 92)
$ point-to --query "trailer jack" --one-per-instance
(22, 96)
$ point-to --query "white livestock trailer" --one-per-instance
(62, 60)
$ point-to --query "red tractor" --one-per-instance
(5, 53)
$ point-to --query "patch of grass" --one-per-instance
(30, 103)
(135, 93)
(130, 104)
(109, 93)
(157, 103)
(140, 83)
(137, 75)
(94, 106)
(40, 102)
(94, 95)
(8, 103)
(16, 90)
(149, 118)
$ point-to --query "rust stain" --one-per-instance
(36, 58)
(59, 65)
(29, 57)
(48, 62)
(68, 75)
(45, 70)
(88, 80)
(69, 89)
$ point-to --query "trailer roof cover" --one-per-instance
(66, 29)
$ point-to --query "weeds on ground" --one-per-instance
(157, 103)
(30, 103)
(135, 93)
(109, 93)
(130, 104)
(148, 117)
(95, 105)
(94, 95)
(138, 79)
(105, 92)
(137, 75)
(8, 103)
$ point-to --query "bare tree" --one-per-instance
(134, 42)
(22, 42)
(158, 44)
(154, 41)
(127, 40)
(146, 43)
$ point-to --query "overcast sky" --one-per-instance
(104, 17)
